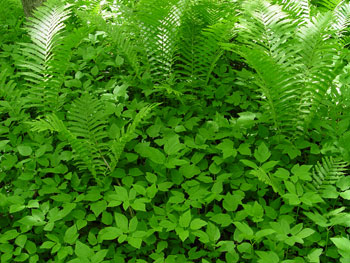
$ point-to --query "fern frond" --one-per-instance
(341, 15)
(45, 30)
(119, 144)
(203, 30)
(117, 36)
(298, 9)
(267, 179)
(327, 173)
(320, 65)
(329, 5)
(8, 89)
(159, 26)
(267, 34)
(87, 122)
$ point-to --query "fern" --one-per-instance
(327, 173)
(202, 33)
(267, 179)
(119, 144)
(299, 9)
(119, 38)
(266, 32)
(87, 134)
(159, 26)
(320, 65)
(40, 68)
(295, 63)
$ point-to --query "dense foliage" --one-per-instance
(175, 131)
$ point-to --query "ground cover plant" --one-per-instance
(175, 131)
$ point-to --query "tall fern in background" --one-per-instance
(42, 65)
(296, 60)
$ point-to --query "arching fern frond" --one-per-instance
(329, 5)
(119, 143)
(45, 30)
(298, 9)
(159, 23)
(320, 65)
(86, 132)
(327, 173)
(266, 32)
(341, 15)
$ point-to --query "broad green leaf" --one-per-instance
(262, 154)
(98, 207)
(151, 153)
(213, 232)
(189, 170)
(82, 250)
(197, 224)
(244, 149)
(185, 219)
(245, 229)
(183, 234)
(173, 145)
(122, 193)
(3, 143)
(267, 257)
(21, 241)
(345, 194)
(133, 224)
(227, 148)
(24, 150)
(109, 233)
(314, 255)
(99, 256)
(121, 221)
(135, 242)
(71, 235)
(262, 233)
(222, 219)
(341, 243)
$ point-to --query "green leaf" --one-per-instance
(341, 243)
(305, 233)
(189, 170)
(135, 242)
(82, 250)
(99, 256)
(244, 149)
(21, 241)
(345, 194)
(245, 229)
(71, 235)
(151, 153)
(183, 234)
(3, 143)
(122, 222)
(47, 245)
(267, 257)
(197, 224)
(185, 219)
(222, 219)
(262, 154)
(109, 233)
(24, 150)
(213, 232)
(133, 224)
(314, 255)
(172, 145)
(119, 61)
(227, 148)
(98, 207)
